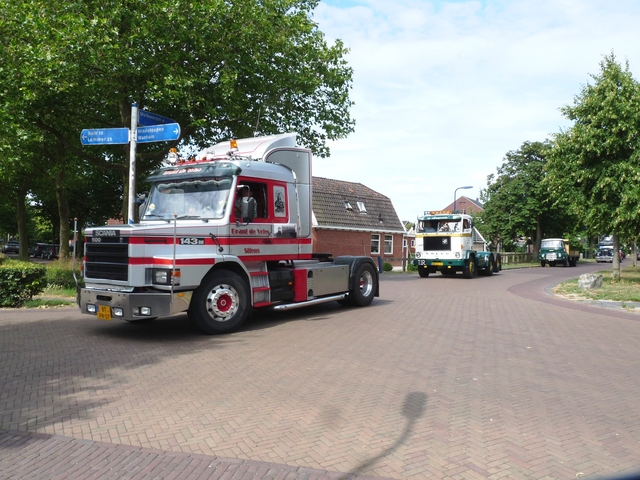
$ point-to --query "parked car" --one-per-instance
(46, 250)
(41, 250)
(11, 246)
(604, 255)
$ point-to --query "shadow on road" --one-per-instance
(413, 408)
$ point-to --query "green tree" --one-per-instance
(598, 157)
(220, 69)
(517, 202)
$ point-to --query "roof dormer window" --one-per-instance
(348, 206)
(362, 208)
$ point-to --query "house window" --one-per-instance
(413, 243)
(361, 207)
(388, 244)
(375, 244)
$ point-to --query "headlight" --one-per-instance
(163, 276)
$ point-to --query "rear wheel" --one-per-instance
(488, 271)
(471, 268)
(363, 290)
(221, 303)
(497, 264)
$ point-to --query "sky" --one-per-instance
(444, 89)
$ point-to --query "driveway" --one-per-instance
(490, 378)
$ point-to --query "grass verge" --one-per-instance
(626, 290)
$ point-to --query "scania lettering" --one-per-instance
(448, 242)
(203, 247)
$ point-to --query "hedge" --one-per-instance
(20, 281)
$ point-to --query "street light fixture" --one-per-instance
(454, 196)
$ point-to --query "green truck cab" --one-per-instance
(556, 251)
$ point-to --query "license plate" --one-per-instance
(104, 313)
(437, 264)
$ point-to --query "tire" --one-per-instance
(542, 263)
(363, 289)
(423, 272)
(221, 304)
(488, 271)
(470, 269)
(497, 266)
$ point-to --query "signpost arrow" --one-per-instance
(158, 133)
(104, 136)
(147, 118)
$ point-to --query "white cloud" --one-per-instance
(443, 89)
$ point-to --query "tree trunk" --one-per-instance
(615, 272)
(21, 218)
(63, 213)
(538, 240)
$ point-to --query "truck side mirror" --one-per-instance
(248, 209)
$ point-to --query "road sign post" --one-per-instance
(155, 128)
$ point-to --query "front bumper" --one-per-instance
(128, 305)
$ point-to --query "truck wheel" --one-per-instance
(363, 290)
(423, 272)
(542, 263)
(470, 269)
(497, 265)
(491, 268)
(221, 303)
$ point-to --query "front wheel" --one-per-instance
(542, 263)
(221, 303)
(423, 272)
(364, 287)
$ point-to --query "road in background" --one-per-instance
(440, 377)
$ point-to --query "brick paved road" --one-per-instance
(439, 378)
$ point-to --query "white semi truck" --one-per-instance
(219, 235)
(447, 242)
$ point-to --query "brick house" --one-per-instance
(465, 205)
(351, 219)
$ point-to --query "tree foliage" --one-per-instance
(220, 69)
(517, 202)
(599, 156)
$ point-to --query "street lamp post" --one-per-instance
(454, 196)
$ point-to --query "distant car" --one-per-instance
(41, 250)
(604, 255)
(11, 247)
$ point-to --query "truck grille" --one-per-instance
(107, 259)
(442, 244)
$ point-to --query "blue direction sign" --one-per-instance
(147, 118)
(104, 136)
(158, 133)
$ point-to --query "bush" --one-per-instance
(19, 282)
(60, 273)
(387, 267)
(411, 267)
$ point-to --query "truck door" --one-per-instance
(269, 236)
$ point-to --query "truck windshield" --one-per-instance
(204, 198)
(438, 225)
(551, 244)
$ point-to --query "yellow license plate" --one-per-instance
(437, 264)
(104, 313)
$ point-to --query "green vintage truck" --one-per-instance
(556, 251)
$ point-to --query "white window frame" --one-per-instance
(375, 240)
(388, 242)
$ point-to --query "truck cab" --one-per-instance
(555, 251)
(448, 242)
